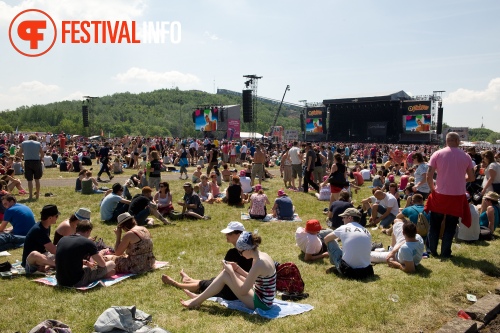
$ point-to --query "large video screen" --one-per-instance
(314, 125)
(419, 123)
(205, 120)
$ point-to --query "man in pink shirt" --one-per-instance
(448, 196)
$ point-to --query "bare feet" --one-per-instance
(190, 304)
(168, 280)
(190, 294)
(185, 277)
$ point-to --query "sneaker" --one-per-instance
(377, 246)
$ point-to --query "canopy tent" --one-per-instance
(250, 135)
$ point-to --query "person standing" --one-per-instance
(447, 201)
(296, 157)
(258, 165)
(309, 169)
(33, 156)
(104, 159)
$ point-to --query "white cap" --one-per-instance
(233, 226)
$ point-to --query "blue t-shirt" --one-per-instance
(412, 212)
(108, 206)
(285, 207)
(31, 150)
(21, 218)
(35, 240)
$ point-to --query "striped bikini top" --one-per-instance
(265, 288)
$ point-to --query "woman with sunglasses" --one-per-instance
(163, 198)
(255, 289)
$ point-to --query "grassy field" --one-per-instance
(427, 299)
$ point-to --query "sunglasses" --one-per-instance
(162, 186)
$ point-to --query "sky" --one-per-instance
(322, 49)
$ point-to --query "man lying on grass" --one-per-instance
(407, 248)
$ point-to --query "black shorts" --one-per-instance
(32, 169)
(225, 293)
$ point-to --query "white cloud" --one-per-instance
(211, 36)
(28, 93)
(135, 74)
(462, 95)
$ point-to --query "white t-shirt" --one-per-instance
(294, 155)
(306, 242)
(390, 201)
(472, 233)
(245, 184)
(365, 173)
(356, 244)
(243, 149)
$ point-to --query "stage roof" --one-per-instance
(400, 95)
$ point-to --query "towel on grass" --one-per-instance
(52, 281)
(270, 218)
(279, 309)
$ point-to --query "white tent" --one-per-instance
(249, 135)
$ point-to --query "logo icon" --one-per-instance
(30, 35)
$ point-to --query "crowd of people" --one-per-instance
(455, 190)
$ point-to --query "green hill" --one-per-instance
(165, 112)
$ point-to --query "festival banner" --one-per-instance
(233, 129)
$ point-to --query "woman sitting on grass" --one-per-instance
(234, 193)
(163, 198)
(12, 182)
(256, 289)
(138, 245)
(258, 202)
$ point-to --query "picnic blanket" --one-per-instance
(279, 309)
(270, 218)
(52, 281)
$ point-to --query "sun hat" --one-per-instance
(83, 214)
(492, 196)
(243, 173)
(313, 226)
(281, 193)
(258, 187)
(122, 218)
(233, 226)
(350, 212)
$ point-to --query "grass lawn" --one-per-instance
(427, 299)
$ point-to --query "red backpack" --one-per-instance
(288, 278)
